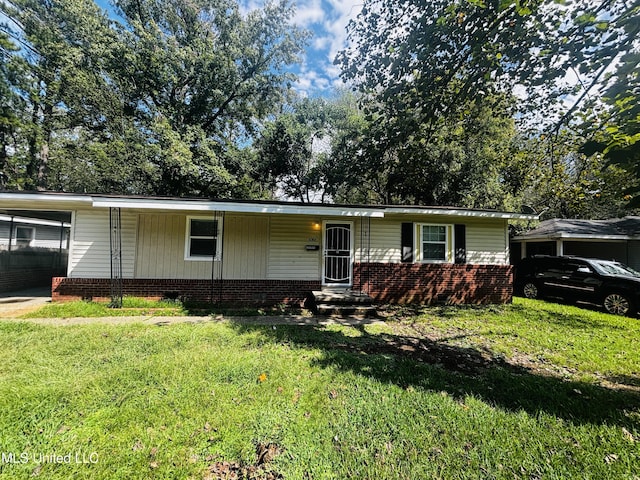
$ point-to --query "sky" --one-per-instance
(327, 20)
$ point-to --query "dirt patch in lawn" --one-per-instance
(260, 470)
(451, 350)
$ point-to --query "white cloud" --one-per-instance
(312, 82)
(308, 13)
(327, 19)
(322, 43)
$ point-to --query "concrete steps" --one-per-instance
(342, 303)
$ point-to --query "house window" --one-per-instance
(435, 243)
(203, 239)
(24, 235)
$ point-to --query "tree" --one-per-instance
(60, 75)
(462, 163)
(617, 128)
(160, 100)
(294, 153)
(11, 107)
(562, 182)
(422, 59)
(200, 76)
(421, 66)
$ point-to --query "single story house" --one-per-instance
(612, 239)
(33, 249)
(271, 251)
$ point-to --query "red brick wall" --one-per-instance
(431, 283)
(385, 282)
(267, 292)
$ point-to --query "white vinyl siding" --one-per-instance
(161, 248)
(245, 246)
(90, 255)
(486, 239)
(269, 246)
(487, 242)
(161, 244)
(385, 238)
(45, 236)
(288, 257)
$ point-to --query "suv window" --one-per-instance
(544, 264)
(573, 267)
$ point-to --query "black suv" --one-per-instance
(610, 284)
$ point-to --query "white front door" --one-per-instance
(337, 254)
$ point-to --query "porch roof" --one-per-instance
(66, 201)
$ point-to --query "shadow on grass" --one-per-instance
(204, 308)
(422, 363)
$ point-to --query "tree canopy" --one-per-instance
(159, 100)
(423, 66)
(478, 103)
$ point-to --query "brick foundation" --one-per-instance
(435, 283)
(260, 292)
(385, 282)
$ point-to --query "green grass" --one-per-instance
(444, 394)
(130, 306)
(134, 306)
(562, 338)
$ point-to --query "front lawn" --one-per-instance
(135, 306)
(529, 390)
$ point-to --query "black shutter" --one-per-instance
(460, 246)
(407, 242)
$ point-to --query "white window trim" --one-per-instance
(23, 241)
(187, 241)
(449, 242)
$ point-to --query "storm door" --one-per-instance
(337, 254)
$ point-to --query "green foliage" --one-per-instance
(294, 150)
(556, 179)
(617, 129)
(461, 160)
(422, 67)
(192, 98)
(159, 100)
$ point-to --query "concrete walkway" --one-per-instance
(13, 304)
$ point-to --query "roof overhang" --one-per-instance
(62, 201)
(576, 237)
(33, 221)
(43, 201)
(461, 212)
(240, 207)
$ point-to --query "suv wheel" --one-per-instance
(618, 304)
(530, 290)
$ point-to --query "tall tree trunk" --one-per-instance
(4, 160)
(43, 166)
(32, 164)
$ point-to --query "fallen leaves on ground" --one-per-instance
(265, 453)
